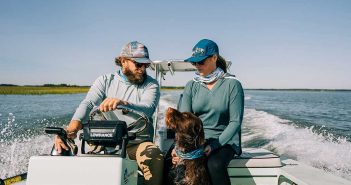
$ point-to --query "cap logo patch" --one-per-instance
(198, 51)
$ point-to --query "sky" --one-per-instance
(271, 43)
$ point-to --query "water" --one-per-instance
(309, 126)
(312, 127)
(22, 119)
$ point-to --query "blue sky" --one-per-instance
(272, 44)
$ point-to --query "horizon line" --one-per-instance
(167, 86)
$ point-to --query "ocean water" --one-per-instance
(310, 126)
(313, 127)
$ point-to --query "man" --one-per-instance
(132, 87)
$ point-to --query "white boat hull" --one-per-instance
(87, 170)
(253, 167)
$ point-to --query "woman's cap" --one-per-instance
(203, 49)
(136, 51)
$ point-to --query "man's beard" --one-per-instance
(134, 78)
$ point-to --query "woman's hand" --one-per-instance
(175, 158)
(110, 104)
(207, 150)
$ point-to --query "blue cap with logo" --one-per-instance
(203, 49)
(136, 51)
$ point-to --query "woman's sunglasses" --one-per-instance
(202, 62)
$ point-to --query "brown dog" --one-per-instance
(189, 137)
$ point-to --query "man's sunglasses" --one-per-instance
(139, 65)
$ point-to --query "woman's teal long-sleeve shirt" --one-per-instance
(221, 110)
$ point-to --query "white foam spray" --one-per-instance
(307, 145)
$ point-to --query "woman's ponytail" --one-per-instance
(221, 63)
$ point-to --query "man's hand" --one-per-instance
(59, 145)
(175, 158)
(72, 129)
(110, 104)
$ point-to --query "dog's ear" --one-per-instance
(172, 118)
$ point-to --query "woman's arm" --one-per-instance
(186, 101)
(236, 111)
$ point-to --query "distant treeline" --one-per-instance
(172, 87)
(41, 90)
(59, 85)
(8, 85)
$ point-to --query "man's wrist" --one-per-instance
(74, 126)
(71, 130)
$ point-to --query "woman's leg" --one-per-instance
(217, 165)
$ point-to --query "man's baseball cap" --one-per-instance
(203, 49)
(136, 51)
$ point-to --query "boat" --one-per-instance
(256, 166)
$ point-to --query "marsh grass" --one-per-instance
(54, 89)
(40, 90)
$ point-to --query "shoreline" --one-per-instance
(293, 89)
(43, 90)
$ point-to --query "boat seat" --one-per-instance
(254, 166)
(255, 158)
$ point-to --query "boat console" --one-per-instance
(110, 166)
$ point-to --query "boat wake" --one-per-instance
(310, 145)
(15, 154)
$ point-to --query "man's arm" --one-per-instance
(148, 101)
(95, 96)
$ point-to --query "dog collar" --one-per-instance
(191, 155)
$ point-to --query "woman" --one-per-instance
(217, 98)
